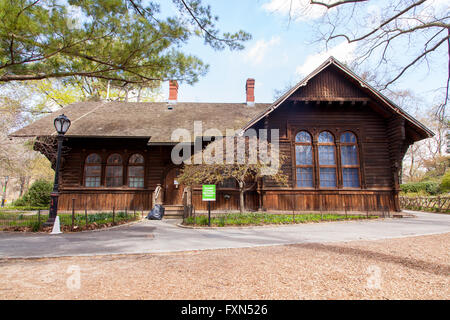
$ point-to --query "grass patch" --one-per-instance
(26, 221)
(257, 219)
(21, 208)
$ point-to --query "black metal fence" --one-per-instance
(75, 220)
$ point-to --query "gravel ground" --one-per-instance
(406, 268)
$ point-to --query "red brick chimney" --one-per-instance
(173, 91)
(250, 90)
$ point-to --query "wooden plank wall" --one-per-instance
(105, 200)
(328, 201)
(221, 203)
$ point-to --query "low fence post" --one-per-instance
(293, 207)
(114, 213)
(39, 218)
(85, 214)
(367, 206)
(320, 207)
(73, 213)
(439, 204)
(345, 206)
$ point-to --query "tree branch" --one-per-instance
(335, 4)
(417, 59)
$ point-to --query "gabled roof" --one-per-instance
(152, 120)
(384, 101)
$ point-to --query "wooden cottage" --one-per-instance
(345, 143)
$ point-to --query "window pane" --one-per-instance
(91, 171)
(136, 182)
(326, 155)
(136, 158)
(351, 177)
(136, 171)
(348, 137)
(114, 159)
(92, 181)
(303, 155)
(136, 176)
(114, 176)
(325, 137)
(304, 177)
(349, 155)
(303, 136)
(328, 177)
(92, 176)
(93, 158)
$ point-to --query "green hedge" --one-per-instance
(37, 196)
(429, 187)
(445, 184)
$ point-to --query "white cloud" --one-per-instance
(255, 54)
(299, 10)
(344, 52)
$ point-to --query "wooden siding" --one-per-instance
(329, 86)
(328, 201)
(328, 102)
(221, 203)
(105, 200)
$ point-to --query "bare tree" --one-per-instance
(397, 36)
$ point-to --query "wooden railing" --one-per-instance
(435, 204)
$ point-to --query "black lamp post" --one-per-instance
(62, 124)
(4, 191)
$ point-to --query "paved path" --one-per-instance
(164, 236)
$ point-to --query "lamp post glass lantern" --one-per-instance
(62, 124)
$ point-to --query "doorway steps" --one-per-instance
(173, 211)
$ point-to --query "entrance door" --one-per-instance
(173, 190)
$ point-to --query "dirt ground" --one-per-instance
(405, 268)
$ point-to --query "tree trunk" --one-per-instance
(22, 185)
(241, 197)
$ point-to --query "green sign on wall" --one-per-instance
(209, 192)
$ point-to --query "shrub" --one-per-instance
(37, 196)
(445, 184)
(430, 187)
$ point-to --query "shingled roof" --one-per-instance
(153, 120)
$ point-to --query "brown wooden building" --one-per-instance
(344, 139)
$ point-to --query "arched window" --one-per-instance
(92, 170)
(349, 160)
(136, 171)
(114, 171)
(303, 160)
(327, 160)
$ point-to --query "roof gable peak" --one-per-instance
(350, 74)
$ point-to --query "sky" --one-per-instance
(281, 53)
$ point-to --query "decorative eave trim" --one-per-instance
(331, 60)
